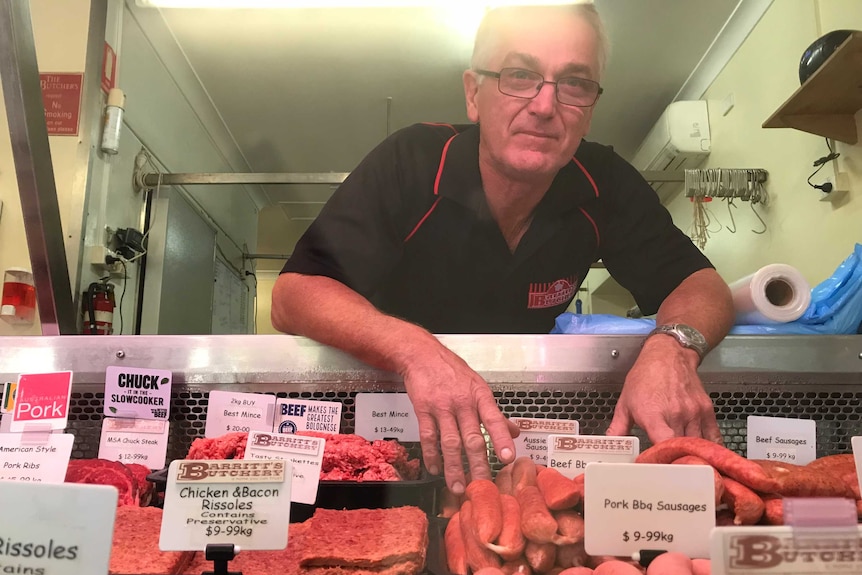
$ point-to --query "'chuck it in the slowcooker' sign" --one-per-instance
(137, 393)
(244, 502)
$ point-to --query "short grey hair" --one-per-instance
(487, 33)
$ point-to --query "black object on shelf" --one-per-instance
(220, 554)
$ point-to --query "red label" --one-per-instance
(552, 294)
(61, 96)
(43, 396)
(109, 68)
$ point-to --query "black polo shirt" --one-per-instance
(410, 230)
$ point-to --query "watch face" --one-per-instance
(692, 335)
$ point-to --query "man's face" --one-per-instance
(533, 138)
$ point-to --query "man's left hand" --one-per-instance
(664, 395)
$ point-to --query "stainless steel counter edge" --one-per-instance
(262, 359)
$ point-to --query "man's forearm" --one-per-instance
(329, 312)
(702, 301)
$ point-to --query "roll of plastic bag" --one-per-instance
(776, 293)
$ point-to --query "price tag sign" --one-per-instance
(570, 454)
(143, 441)
(532, 442)
(137, 393)
(386, 416)
(856, 442)
(631, 507)
(9, 392)
(229, 412)
(42, 401)
(244, 502)
(292, 415)
(780, 551)
(63, 529)
(305, 455)
(35, 463)
(782, 439)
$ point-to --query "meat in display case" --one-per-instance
(529, 519)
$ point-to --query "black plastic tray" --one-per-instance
(423, 493)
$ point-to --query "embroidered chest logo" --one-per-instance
(543, 295)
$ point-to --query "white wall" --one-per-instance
(811, 235)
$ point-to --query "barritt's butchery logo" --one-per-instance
(231, 472)
(754, 552)
(594, 444)
(547, 425)
(543, 295)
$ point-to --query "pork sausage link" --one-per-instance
(537, 523)
(487, 509)
(478, 556)
(540, 556)
(456, 556)
(523, 474)
(510, 544)
(559, 491)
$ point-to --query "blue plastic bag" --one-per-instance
(835, 309)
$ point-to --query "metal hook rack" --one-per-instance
(746, 184)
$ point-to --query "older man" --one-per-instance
(490, 228)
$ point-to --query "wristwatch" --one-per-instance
(686, 335)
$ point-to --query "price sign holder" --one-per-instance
(41, 405)
(221, 555)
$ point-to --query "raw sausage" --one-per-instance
(694, 460)
(700, 567)
(746, 504)
(541, 556)
(504, 480)
(537, 523)
(670, 564)
(570, 525)
(478, 556)
(487, 509)
(523, 474)
(617, 568)
(517, 567)
(577, 571)
(456, 556)
(510, 544)
(559, 491)
(572, 555)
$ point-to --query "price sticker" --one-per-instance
(62, 529)
(143, 441)
(229, 412)
(856, 442)
(243, 502)
(570, 454)
(137, 393)
(782, 551)
(782, 439)
(35, 462)
(532, 441)
(42, 401)
(305, 455)
(631, 507)
(386, 416)
(292, 415)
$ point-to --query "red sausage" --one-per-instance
(478, 556)
(773, 510)
(570, 524)
(517, 567)
(489, 571)
(798, 481)
(504, 480)
(540, 556)
(487, 509)
(670, 564)
(537, 523)
(694, 460)
(617, 568)
(746, 504)
(523, 474)
(572, 555)
(577, 571)
(559, 491)
(456, 556)
(510, 544)
(727, 462)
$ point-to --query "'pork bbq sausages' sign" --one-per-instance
(244, 502)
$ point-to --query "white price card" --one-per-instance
(229, 412)
(386, 416)
(570, 454)
(42, 401)
(782, 439)
(305, 455)
(532, 441)
(56, 529)
(856, 442)
(244, 502)
(631, 507)
(39, 462)
(132, 392)
(292, 415)
(781, 551)
(143, 441)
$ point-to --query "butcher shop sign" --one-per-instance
(42, 402)
(778, 551)
(137, 393)
(240, 502)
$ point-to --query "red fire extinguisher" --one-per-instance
(99, 309)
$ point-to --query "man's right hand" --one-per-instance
(450, 401)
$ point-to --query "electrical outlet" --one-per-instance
(97, 257)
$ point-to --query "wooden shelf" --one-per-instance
(827, 102)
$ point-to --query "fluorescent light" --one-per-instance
(337, 3)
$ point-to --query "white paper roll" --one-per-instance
(776, 293)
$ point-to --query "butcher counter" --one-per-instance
(551, 376)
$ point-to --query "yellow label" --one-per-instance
(9, 390)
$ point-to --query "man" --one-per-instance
(490, 229)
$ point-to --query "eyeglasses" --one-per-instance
(520, 83)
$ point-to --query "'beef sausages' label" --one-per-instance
(244, 502)
(532, 441)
